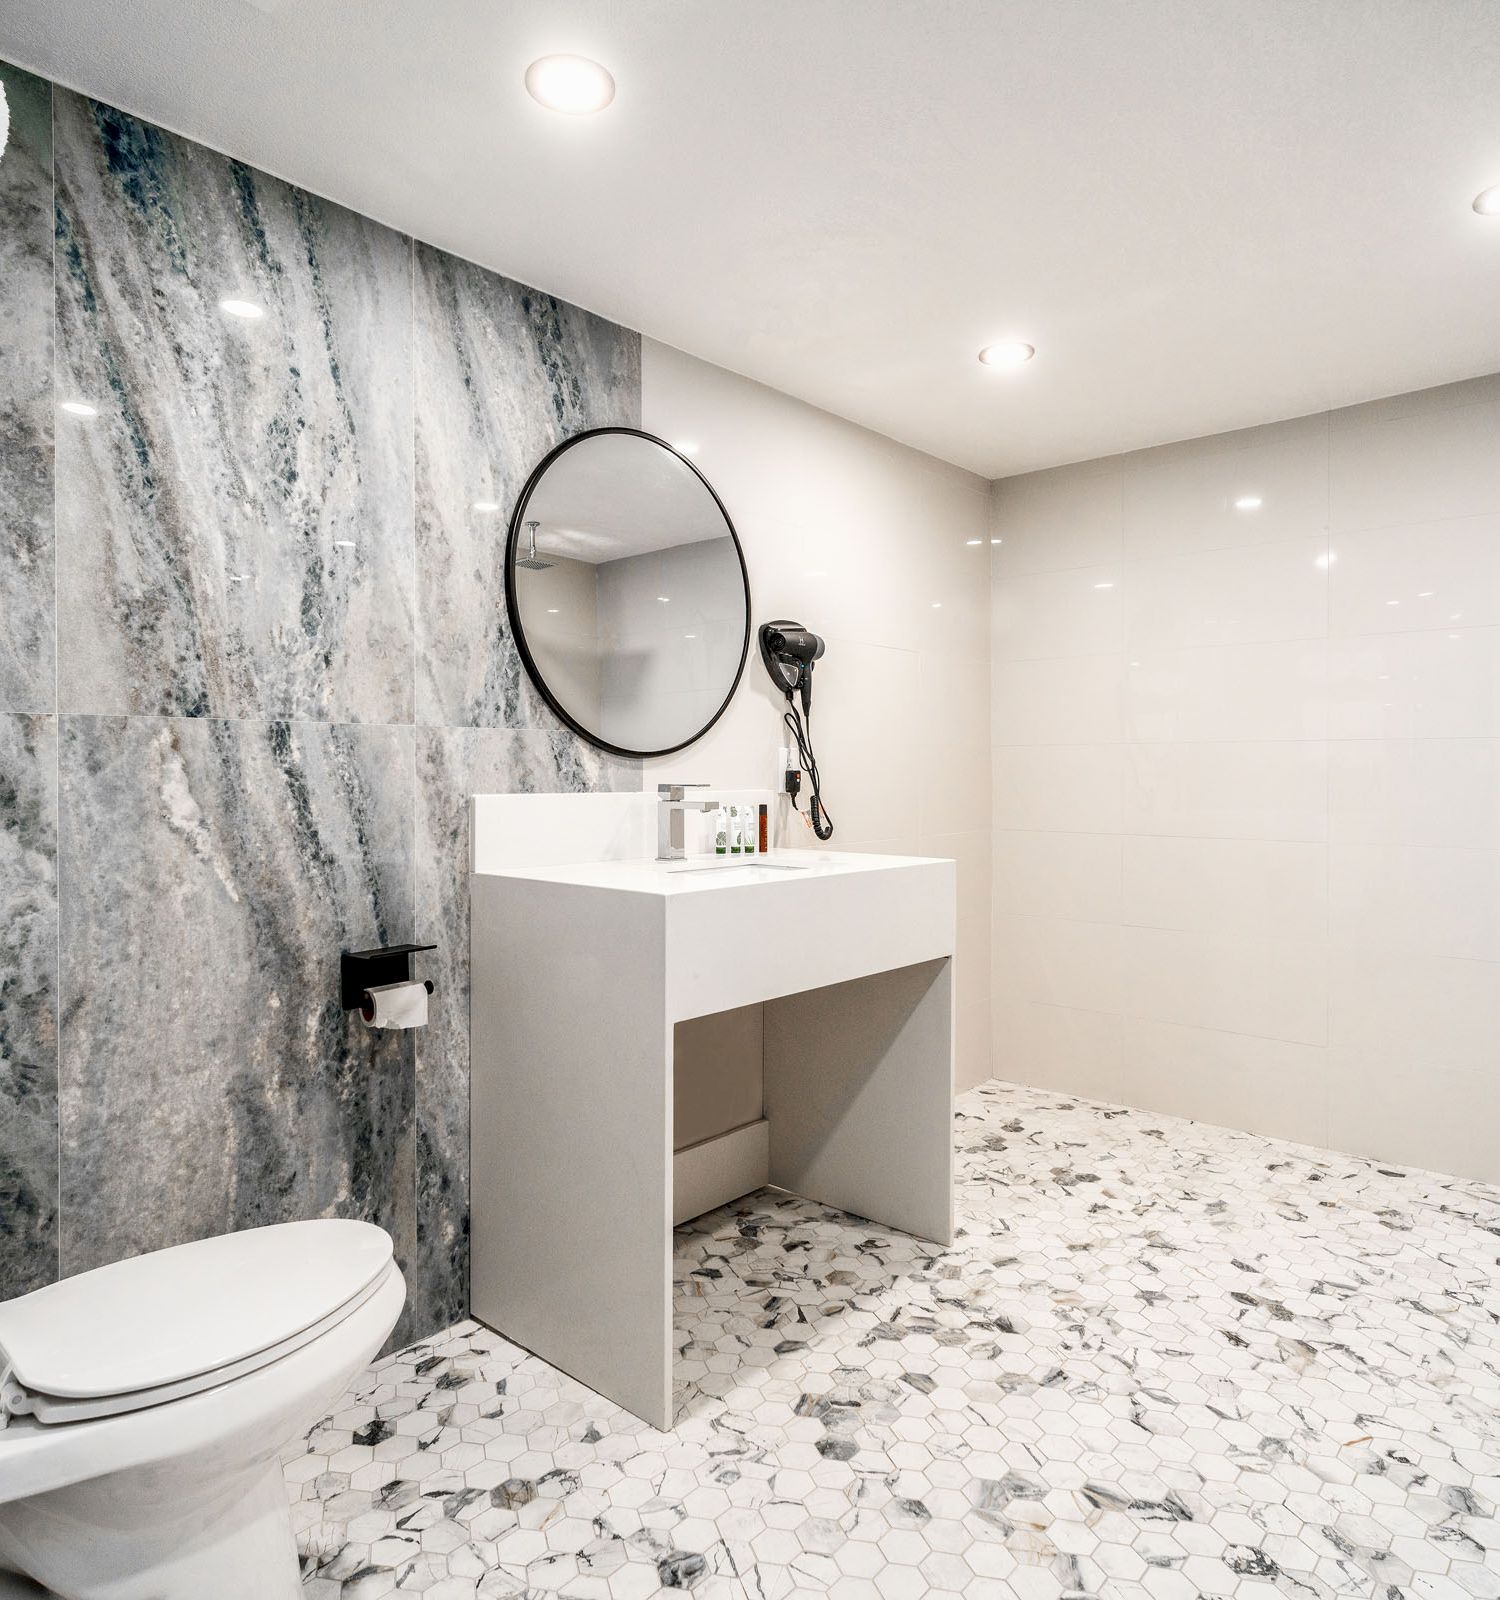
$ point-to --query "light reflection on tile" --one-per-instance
(198, 513)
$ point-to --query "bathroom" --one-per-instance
(1061, 1156)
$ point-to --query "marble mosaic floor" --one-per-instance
(1162, 1360)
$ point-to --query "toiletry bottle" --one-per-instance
(721, 831)
(764, 830)
(736, 831)
(747, 828)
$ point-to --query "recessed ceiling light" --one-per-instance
(1104, 586)
(1248, 502)
(995, 541)
(664, 598)
(973, 541)
(486, 506)
(571, 84)
(551, 611)
(246, 310)
(1007, 353)
(79, 408)
(1487, 201)
(937, 605)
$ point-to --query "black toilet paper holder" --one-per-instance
(368, 969)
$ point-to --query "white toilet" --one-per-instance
(146, 1404)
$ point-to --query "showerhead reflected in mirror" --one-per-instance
(627, 592)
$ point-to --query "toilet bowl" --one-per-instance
(147, 1402)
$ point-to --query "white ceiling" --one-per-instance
(1204, 213)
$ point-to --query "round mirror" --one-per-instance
(627, 591)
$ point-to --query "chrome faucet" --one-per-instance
(671, 843)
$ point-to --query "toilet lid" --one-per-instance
(177, 1314)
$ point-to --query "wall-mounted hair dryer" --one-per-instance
(789, 651)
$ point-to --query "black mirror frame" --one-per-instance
(513, 609)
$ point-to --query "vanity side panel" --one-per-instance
(859, 1097)
(571, 1133)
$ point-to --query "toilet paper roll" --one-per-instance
(395, 1005)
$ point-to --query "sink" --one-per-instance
(715, 865)
(586, 954)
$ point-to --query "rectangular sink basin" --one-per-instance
(738, 866)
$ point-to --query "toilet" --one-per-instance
(146, 1403)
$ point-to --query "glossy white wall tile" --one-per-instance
(1262, 887)
(1053, 521)
(1240, 789)
(1415, 1113)
(1261, 487)
(1061, 700)
(1060, 1047)
(1417, 1009)
(1060, 962)
(1272, 988)
(1072, 613)
(1237, 596)
(1418, 575)
(1433, 900)
(1246, 856)
(1436, 463)
(1233, 691)
(1415, 791)
(1074, 788)
(1269, 1086)
(1074, 875)
(1438, 684)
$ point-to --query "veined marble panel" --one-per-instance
(26, 543)
(235, 526)
(503, 373)
(28, 1003)
(452, 764)
(210, 1080)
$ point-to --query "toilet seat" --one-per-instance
(163, 1326)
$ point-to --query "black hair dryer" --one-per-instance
(789, 651)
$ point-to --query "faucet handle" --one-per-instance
(674, 791)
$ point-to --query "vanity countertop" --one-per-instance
(705, 874)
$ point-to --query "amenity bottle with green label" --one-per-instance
(721, 831)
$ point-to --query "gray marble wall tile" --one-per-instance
(452, 764)
(26, 545)
(503, 373)
(210, 1080)
(234, 527)
(268, 560)
(28, 1003)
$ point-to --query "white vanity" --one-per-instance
(589, 958)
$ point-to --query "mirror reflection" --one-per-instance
(628, 592)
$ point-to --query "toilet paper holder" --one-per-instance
(368, 969)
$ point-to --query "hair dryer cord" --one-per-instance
(817, 812)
